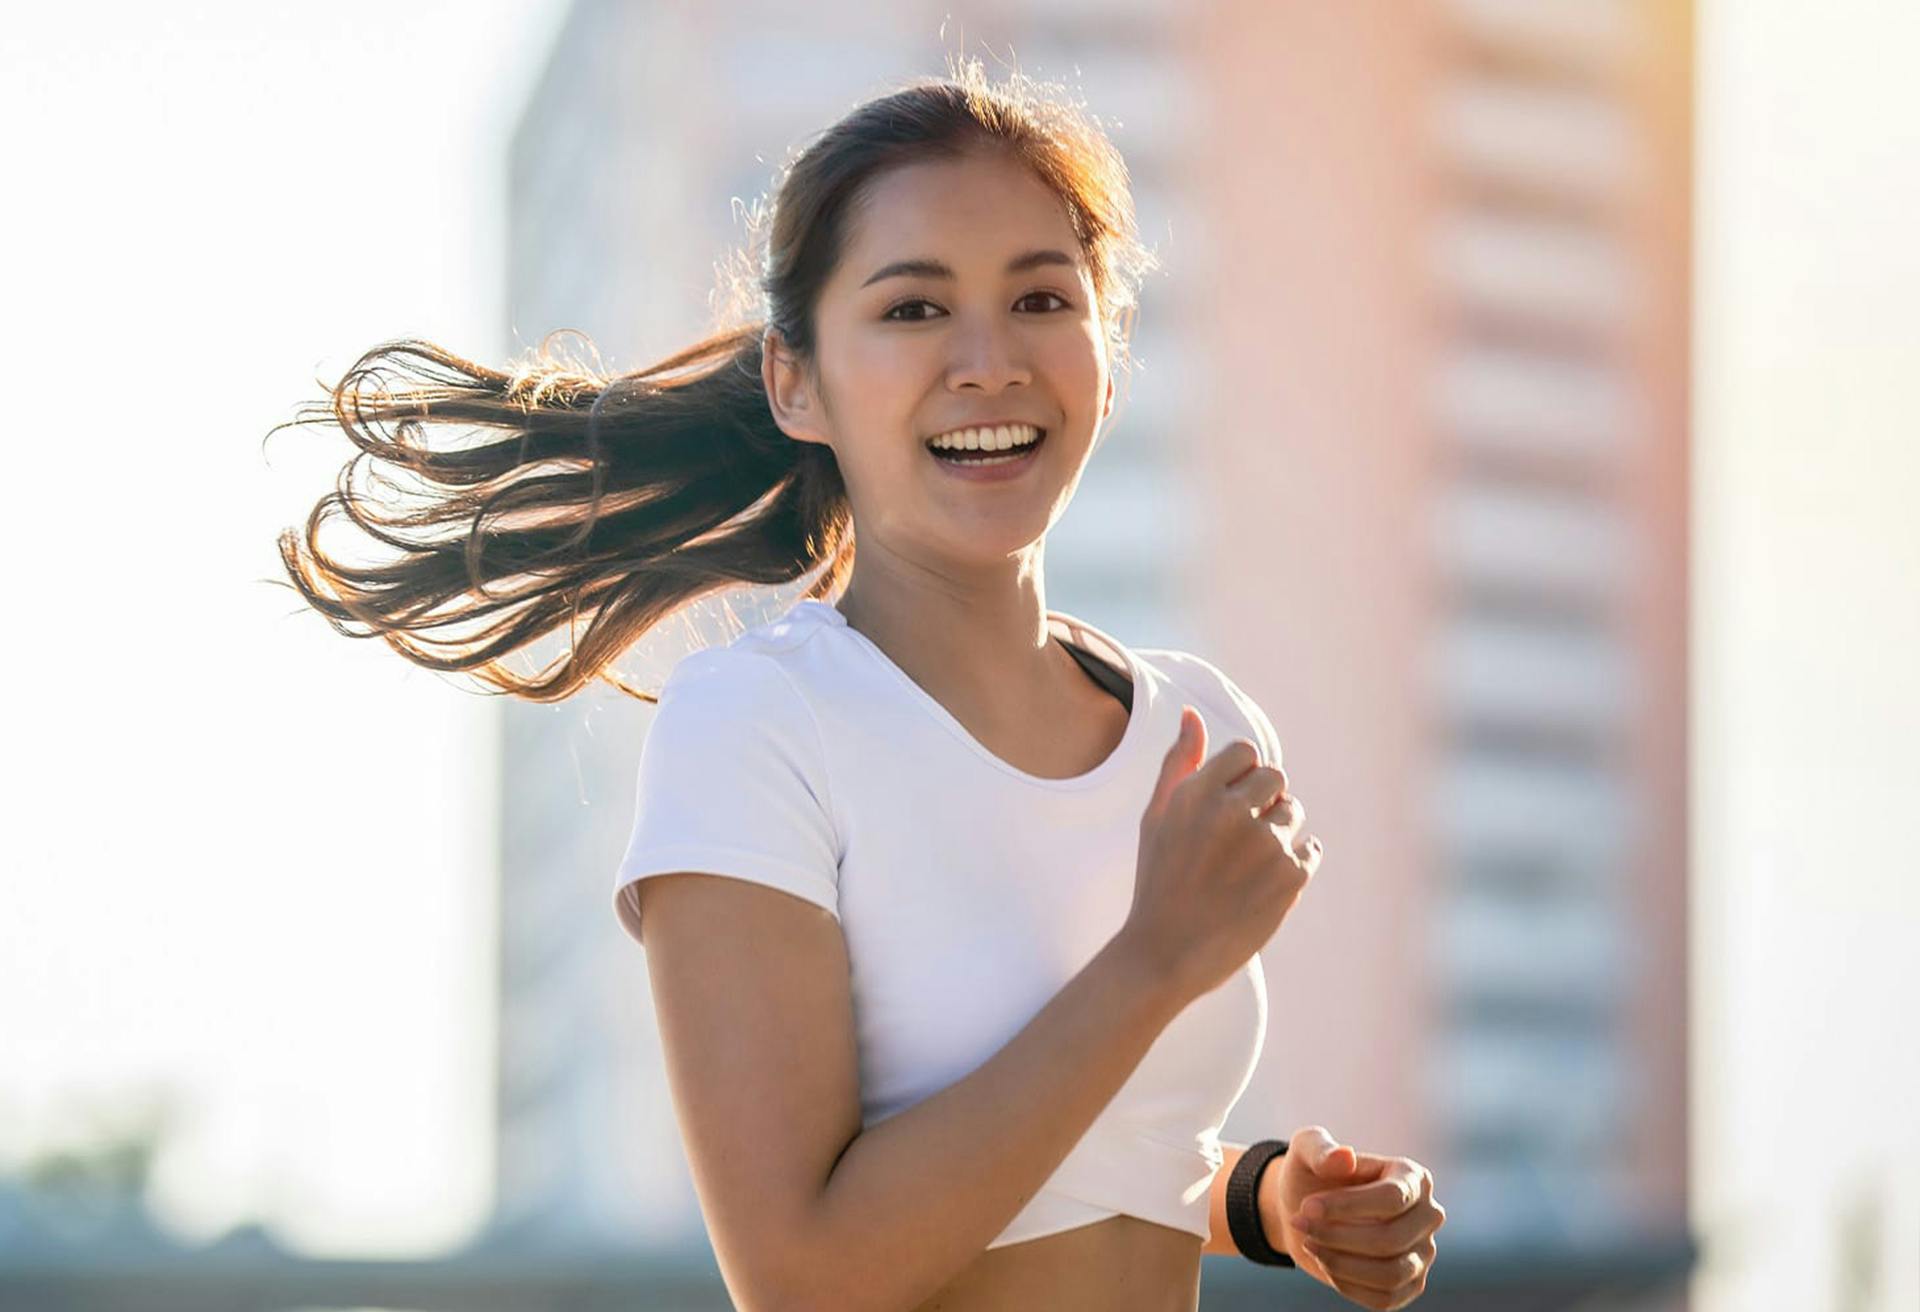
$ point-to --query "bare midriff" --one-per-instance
(1120, 1264)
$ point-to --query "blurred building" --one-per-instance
(1448, 415)
(1406, 455)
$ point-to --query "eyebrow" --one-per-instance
(925, 268)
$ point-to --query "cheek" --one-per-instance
(1082, 353)
(871, 357)
(1076, 374)
(877, 379)
(872, 387)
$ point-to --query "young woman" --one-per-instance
(951, 903)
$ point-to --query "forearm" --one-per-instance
(917, 1196)
(1220, 1239)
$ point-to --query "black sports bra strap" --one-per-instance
(1103, 674)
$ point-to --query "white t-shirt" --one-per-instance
(801, 757)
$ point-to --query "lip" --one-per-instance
(1004, 472)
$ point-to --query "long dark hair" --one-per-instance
(604, 503)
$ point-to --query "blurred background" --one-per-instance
(1524, 415)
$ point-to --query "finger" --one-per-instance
(1188, 749)
(1308, 852)
(1384, 1277)
(1286, 813)
(1393, 1193)
(1235, 757)
(1323, 1153)
(1259, 789)
(1285, 817)
(1366, 1168)
(1376, 1238)
(1338, 1162)
(1375, 1165)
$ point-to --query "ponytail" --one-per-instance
(601, 504)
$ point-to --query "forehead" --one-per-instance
(971, 212)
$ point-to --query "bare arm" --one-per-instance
(805, 1210)
(922, 1193)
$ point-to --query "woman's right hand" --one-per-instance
(1219, 866)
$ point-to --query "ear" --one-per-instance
(789, 392)
(1106, 410)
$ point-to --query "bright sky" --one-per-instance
(246, 858)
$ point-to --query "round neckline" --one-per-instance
(1136, 714)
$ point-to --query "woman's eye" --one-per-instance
(893, 312)
(1056, 296)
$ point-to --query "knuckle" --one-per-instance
(1273, 790)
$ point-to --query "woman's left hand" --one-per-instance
(1368, 1220)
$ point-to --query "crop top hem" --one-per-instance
(1121, 1168)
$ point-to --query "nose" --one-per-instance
(988, 355)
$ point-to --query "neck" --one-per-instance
(981, 650)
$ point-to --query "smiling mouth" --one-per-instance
(954, 456)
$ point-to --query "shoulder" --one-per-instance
(735, 667)
(739, 690)
(771, 661)
(1216, 695)
(733, 716)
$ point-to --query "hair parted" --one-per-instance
(606, 502)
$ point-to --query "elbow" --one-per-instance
(838, 1289)
(775, 1292)
(781, 1287)
(822, 1259)
(798, 1296)
(805, 1274)
(791, 1303)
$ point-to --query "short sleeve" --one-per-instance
(1207, 681)
(732, 782)
(1263, 731)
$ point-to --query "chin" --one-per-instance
(989, 540)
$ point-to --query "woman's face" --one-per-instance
(905, 353)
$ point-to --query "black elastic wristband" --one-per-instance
(1243, 1210)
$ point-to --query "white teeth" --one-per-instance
(989, 439)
